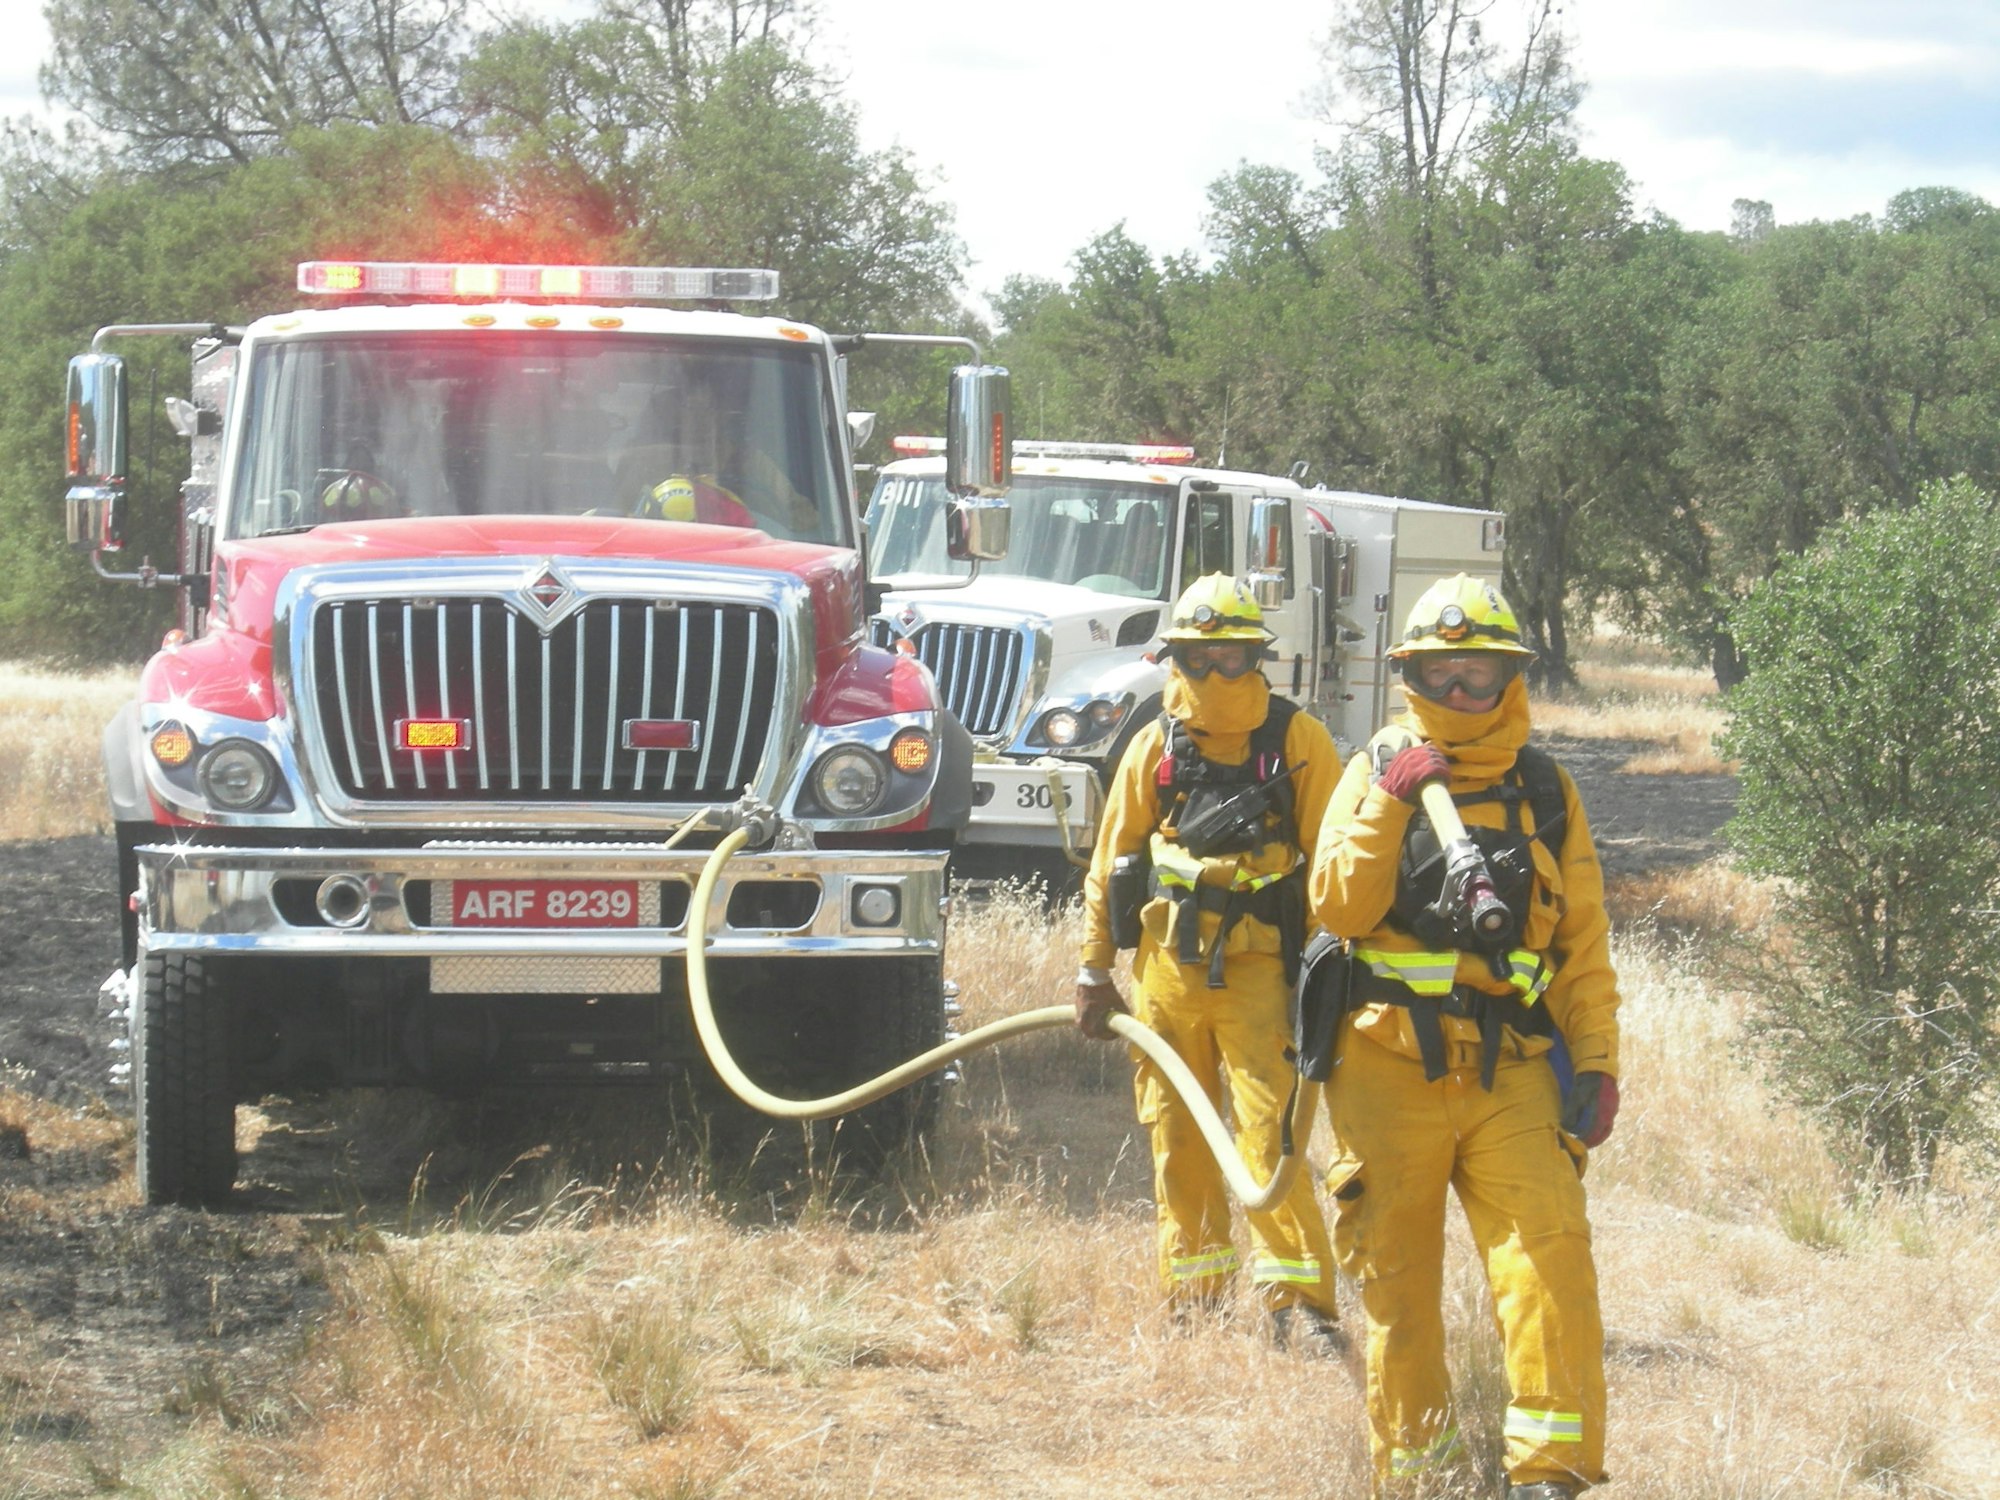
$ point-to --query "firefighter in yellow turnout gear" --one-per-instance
(1223, 797)
(1444, 1075)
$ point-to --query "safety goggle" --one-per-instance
(1233, 659)
(1479, 674)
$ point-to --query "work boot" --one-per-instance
(1547, 1489)
(1308, 1330)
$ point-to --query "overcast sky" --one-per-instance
(1046, 122)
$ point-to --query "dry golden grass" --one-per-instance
(1713, 897)
(1673, 711)
(51, 769)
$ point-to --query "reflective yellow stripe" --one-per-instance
(1266, 1269)
(1174, 866)
(1194, 1267)
(1440, 1451)
(1544, 1426)
(1529, 974)
(1423, 973)
(1433, 973)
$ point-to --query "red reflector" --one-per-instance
(431, 734)
(662, 734)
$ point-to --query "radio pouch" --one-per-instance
(1126, 894)
(1324, 993)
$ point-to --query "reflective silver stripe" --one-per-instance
(1544, 1426)
(1176, 867)
(1439, 1451)
(1530, 975)
(1194, 1267)
(1423, 973)
(1433, 973)
(1266, 1269)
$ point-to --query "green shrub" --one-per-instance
(1868, 736)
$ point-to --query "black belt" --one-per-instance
(1281, 904)
(1489, 1011)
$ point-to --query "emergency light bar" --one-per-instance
(410, 278)
(1142, 453)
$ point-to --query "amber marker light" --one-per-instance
(910, 751)
(172, 745)
(480, 320)
(544, 320)
(431, 734)
(607, 322)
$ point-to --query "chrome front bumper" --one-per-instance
(207, 899)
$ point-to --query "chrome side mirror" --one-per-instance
(96, 427)
(977, 529)
(979, 433)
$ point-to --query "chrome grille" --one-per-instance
(978, 670)
(546, 713)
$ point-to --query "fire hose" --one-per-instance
(1242, 1184)
(1468, 882)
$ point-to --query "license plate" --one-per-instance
(545, 903)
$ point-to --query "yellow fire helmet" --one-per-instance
(1217, 608)
(1460, 614)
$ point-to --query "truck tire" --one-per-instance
(874, 1014)
(183, 1095)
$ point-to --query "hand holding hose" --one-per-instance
(1411, 769)
(1096, 1003)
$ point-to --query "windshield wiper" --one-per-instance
(290, 530)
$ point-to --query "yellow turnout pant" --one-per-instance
(1240, 1033)
(1402, 1141)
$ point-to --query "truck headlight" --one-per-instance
(849, 781)
(238, 776)
(1062, 727)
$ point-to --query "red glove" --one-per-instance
(1590, 1107)
(1414, 766)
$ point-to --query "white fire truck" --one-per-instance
(505, 593)
(1045, 655)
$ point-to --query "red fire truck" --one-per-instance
(505, 592)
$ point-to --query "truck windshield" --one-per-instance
(1109, 535)
(506, 423)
